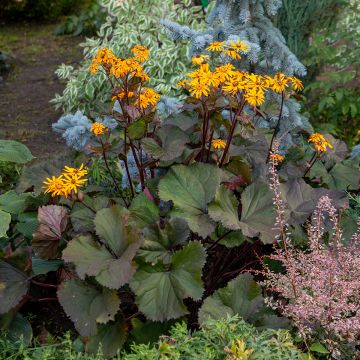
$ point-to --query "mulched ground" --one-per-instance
(25, 112)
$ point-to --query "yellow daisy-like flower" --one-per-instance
(80, 171)
(320, 142)
(255, 97)
(218, 144)
(233, 86)
(199, 59)
(358, 132)
(239, 46)
(55, 186)
(279, 82)
(141, 52)
(73, 182)
(98, 128)
(199, 89)
(277, 157)
(148, 97)
(216, 46)
(297, 84)
(225, 72)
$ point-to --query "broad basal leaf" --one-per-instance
(111, 336)
(5, 220)
(13, 151)
(225, 209)
(160, 291)
(82, 218)
(258, 216)
(53, 220)
(87, 305)
(345, 175)
(161, 237)
(143, 212)
(300, 200)
(191, 188)
(13, 202)
(14, 286)
(110, 259)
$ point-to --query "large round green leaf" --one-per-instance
(87, 305)
(224, 208)
(15, 152)
(143, 212)
(14, 285)
(258, 215)
(161, 237)
(110, 337)
(110, 259)
(191, 188)
(160, 290)
(173, 141)
(13, 202)
(242, 296)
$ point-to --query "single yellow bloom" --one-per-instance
(277, 157)
(199, 89)
(225, 72)
(73, 182)
(320, 142)
(297, 84)
(216, 46)
(98, 128)
(55, 186)
(233, 86)
(279, 82)
(148, 97)
(81, 171)
(239, 46)
(218, 144)
(358, 132)
(255, 97)
(199, 59)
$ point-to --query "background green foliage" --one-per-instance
(130, 22)
(216, 340)
(332, 99)
(298, 21)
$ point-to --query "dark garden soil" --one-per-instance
(25, 112)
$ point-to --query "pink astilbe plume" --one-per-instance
(319, 288)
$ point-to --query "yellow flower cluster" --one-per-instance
(69, 181)
(98, 128)
(203, 82)
(320, 142)
(124, 70)
(121, 67)
(218, 144)
(231, 48)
